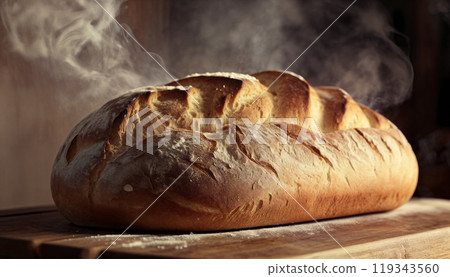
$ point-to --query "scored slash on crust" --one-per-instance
(304, 51)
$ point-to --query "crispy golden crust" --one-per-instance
(364, 165)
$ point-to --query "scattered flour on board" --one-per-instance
(179, 242)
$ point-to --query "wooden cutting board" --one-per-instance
(419, 229)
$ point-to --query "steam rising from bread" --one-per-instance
(82, 42)
(356, 53)
(79, 41)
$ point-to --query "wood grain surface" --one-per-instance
(419, 229)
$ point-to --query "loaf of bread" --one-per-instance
(356, 162)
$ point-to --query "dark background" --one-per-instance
(425, 116)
